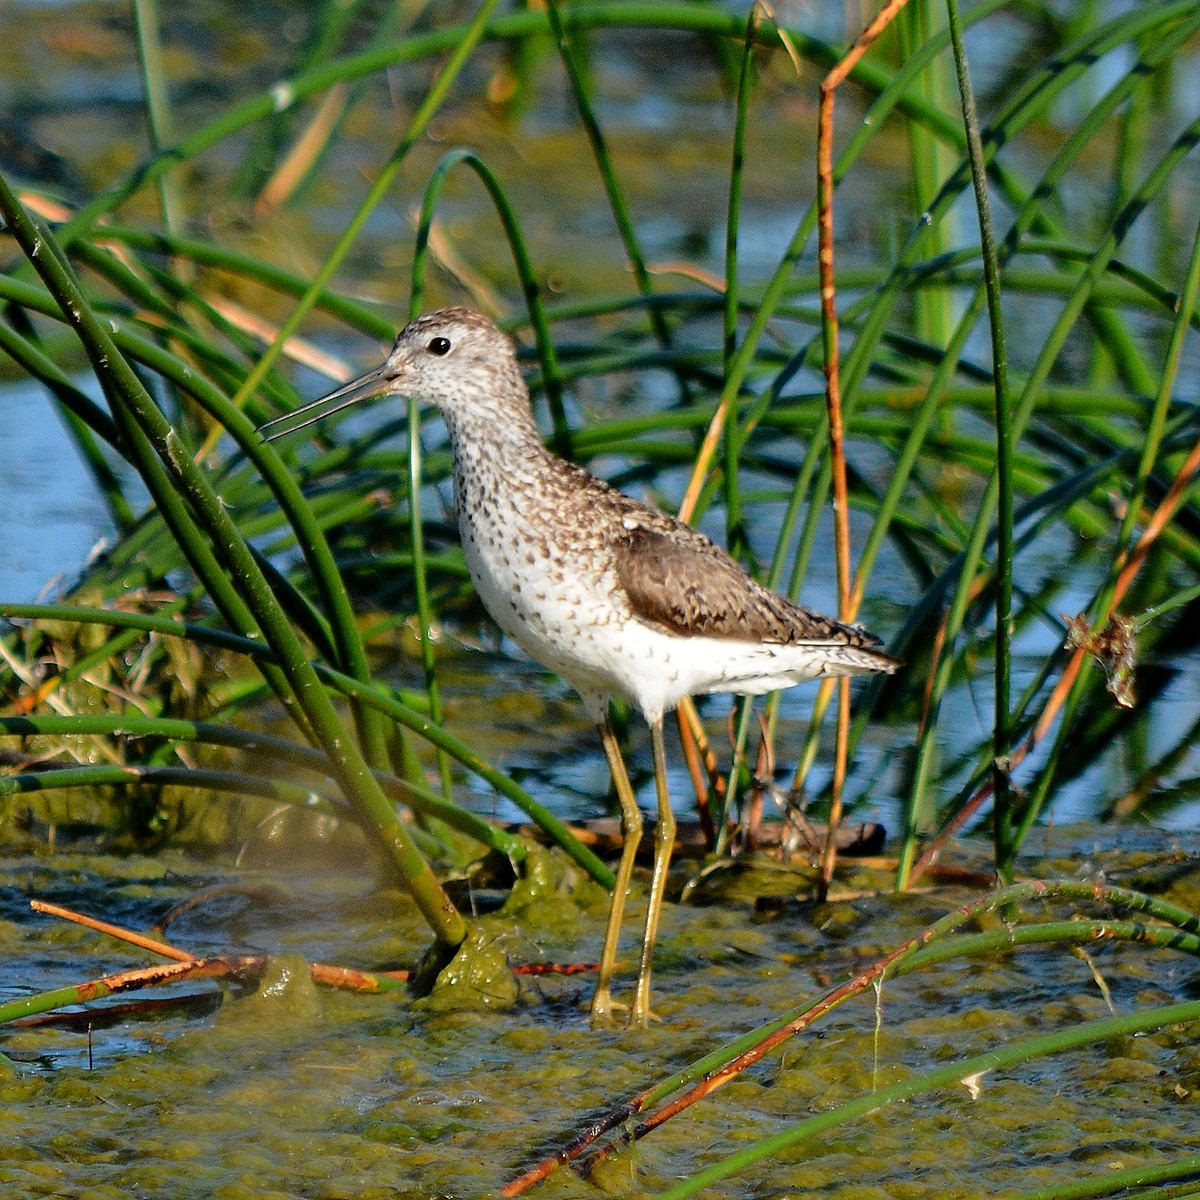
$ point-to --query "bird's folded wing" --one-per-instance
(680, 581)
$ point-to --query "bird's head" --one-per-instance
(454, 359)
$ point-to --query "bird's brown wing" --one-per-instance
(678, 580)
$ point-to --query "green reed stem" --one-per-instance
(432, 101)
(252, 602)
(425, 617)
(930, 161)
(1001, 730)
(1027, 1050)
(551, 379)
(735, 536)
(157, 103)
(259, 783)
(608, 173)
(735, 533)
(1113, 1181)
(1077, 931)
(385, 702)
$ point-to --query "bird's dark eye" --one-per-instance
(439, 346)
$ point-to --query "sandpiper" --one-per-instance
(617, 598)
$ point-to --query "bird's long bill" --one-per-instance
(362, 388)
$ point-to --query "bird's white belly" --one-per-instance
(556, 616)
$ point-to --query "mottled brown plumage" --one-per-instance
(617, 598)
(679, 580)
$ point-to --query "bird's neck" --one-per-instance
(492, 449)
(492, 433)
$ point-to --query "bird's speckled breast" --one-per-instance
(538, 556)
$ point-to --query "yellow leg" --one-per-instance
(664, 842)
(631, 834)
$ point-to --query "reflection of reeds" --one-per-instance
(933, 448)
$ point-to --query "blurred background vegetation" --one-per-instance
(251, 206)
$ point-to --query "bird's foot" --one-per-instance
(603, 1007)
(643, 1020)
(641, 1014)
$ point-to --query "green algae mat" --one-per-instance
(277, 1087)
